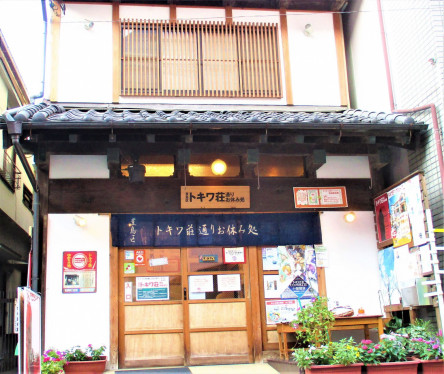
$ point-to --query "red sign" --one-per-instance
(139, 258)
(382, 213)
(79, 272)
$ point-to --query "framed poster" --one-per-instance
(280, 311)
(235, 255)
(79, 272)
(152, 288)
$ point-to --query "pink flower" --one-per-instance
(439, 333)
(364, 347)
(435, 346)
(370, 351)
(366, 341)
(377, 346)
(46, 359)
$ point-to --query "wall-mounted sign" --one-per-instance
(139, 259)
(234, 255)
(218, 197)
(152, 288)
(208, 258)
(225, 230)
(79, 272)
(320, 197)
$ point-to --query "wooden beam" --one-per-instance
(116, 52)
(114, 305)
(286, 52)
(55, 31)
(340, 55)
(255, 300)
(274, 195)
(173, 13)
(228, 15)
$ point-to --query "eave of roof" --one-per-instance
(352, 126)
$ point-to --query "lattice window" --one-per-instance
(188, 58)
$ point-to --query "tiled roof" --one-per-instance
(52, 113)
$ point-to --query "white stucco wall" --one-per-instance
(366, 58)
(77, 319)
(345, 167)
(85, 56)
(352, 274)
(78, 166)
(313, 61)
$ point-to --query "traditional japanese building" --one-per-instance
(195, 161)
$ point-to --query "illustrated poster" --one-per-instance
(390, 291)
(270, 258)
(399, 216)
(297, 268)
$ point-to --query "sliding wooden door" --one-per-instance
(183, 306)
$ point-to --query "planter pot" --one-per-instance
(85, 367)
(336, 369)
(404, 367)
(431, 366)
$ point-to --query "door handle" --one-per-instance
(184, 293)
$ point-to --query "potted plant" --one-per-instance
(389, 355)
(313, 322)
(52, 362)
(88, 361)
(429, 351)
(333, 357)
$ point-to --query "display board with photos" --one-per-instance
(404, 256)
(290, 280)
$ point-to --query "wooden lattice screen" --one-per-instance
(190, 58)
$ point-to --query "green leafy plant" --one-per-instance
(314, 321)
(344, 352)
(88, 354)
(52, 362)
(423, 340)
(391, 348)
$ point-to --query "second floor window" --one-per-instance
(189, 58)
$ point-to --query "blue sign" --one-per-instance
(299, 286)
(187, 230)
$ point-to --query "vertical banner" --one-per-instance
(382, 218)
(29, 331)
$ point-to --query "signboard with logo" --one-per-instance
(218, 197)
(320, 197)
(152, 288)
(79, 272)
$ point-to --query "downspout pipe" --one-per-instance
(15, 131)
(45, 37)
(432, 106)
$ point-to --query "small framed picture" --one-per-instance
(234, 255)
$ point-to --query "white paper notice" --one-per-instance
(228, 282)
(159, 261)
(200, 283)
(271, 286)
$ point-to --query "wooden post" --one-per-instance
(340, 54)
(286, 51)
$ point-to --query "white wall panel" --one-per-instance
(78, 166)
(85, 56)
(352, 273)
(345, 167)
(77, 319)
(313, 59)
